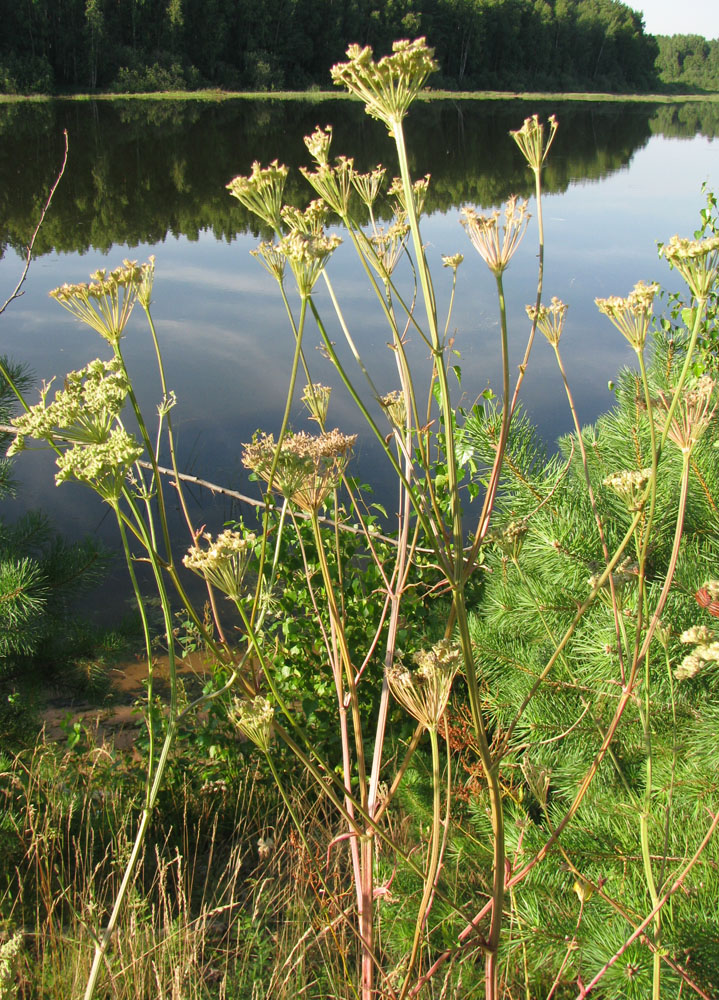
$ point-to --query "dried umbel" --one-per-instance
(424, 692)
(254, 720)
(389, 86)
(308, 466)
(631, 315)
(105, 303)
(692, 415)
(630, 485)
(261, 192)
(496, 249)
(223, 563)
(531, 139)
(549, 319)
(696, 260)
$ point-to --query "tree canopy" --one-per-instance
(145, 45)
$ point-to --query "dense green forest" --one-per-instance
(134, 45)
(689, 62)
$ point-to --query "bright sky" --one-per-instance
(679, 17)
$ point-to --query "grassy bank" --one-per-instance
(331, 95)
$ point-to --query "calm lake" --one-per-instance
(149, 177)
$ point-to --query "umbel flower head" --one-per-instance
(692, 415)
(696, 260)
(706, 650)
(261, 192)
(254, 720)
(105, 303)
(333, 184)
(308, 466)
(319, 143)
(631, 315)
(395, 406)
(630, 485)
(484, 232)
(389, 86)
(85, 416)
(307, 256)
(549, 319)
(424, 692)
(224, 562)
(530, 139)
(316, 398)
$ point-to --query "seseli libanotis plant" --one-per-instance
(517, 631)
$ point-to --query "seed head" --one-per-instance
(483, 231)
(308, 466)
(549, 319)
(389, 86)
(530, 139)
(319, 143)
(419, 194)
(271, 259)
(452, 261)
(631, 315)
(224, 562)
(333, 184)
(105, 303)
(307, 256)
(630, 486)
(692, 415)
(261, 192)
(424, 692)
(254, 720)
(696, 260)
(369, 185)
(396, 409)
(316, 398)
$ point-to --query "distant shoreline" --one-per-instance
(209, 96)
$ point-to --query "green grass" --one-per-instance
(214, 96)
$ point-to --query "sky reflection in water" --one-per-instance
(227, 345)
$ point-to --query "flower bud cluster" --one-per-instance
(85, 415)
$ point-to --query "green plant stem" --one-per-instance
(433, 861)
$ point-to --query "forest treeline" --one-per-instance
(688, 62)
(55, 46)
